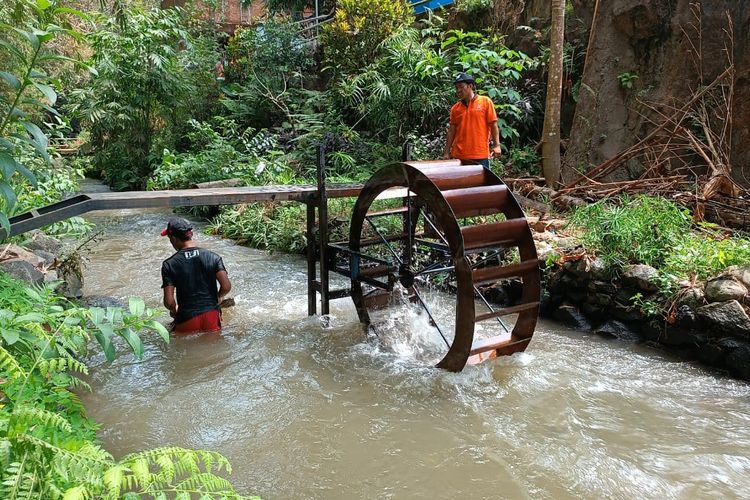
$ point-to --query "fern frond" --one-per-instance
(140, 469)
(17, 481)
(77, 493)
(54, 365)
(82, 466)
(9, 364)
(115, 480)
(29, 416)
(206, 482)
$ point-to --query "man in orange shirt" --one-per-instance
(473, 123)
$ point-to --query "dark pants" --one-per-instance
(485, 162)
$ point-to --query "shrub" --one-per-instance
(351, 41)
(135, 97)
(703, 255)
(268, 226)
(641, 230)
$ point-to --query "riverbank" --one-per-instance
(697, 320)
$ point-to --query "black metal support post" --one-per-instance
(311, 268)
(323, 230)
(406, 151)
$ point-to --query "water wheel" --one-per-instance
(460, 221)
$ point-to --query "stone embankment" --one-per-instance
(707, 322)
(41, 260)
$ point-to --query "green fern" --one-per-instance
(10, 366)
(29, 416)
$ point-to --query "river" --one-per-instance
(310, 409)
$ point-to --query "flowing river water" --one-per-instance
(310, 409)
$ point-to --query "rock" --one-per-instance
(603, 288)
(639, 22)
(676, 336)
(544, 250)
(685, 317)
(625, 312)
(618, 330)
(720, 318)
(22, 270)
(741, 274)
(14, 252)
(710, 354)
(593, 312)
(641, 276)
(692, 297)
(570, 316)
(44, 242)
(567, 244)
(728, 343)
(550, 303)
(72, 287)
(738, 362)
(50, 276)
(102, 301)
(652, 330)
(48, 258)
(495, 294)
(720, 290)
(577, 295)
(598, 269)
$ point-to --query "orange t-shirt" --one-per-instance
(471, 141)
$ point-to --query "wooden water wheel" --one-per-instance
(459, 221)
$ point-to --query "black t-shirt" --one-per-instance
(192, 271)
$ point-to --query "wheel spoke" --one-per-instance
(429, 314)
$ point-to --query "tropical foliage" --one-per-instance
(26, 88)
(138, 91)
(48, 447)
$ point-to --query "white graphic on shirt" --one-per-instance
(192, 253)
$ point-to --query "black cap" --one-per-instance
(178, 225)
(463, 78)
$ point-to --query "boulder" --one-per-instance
(676, 336)
(598, 269)
(741, 274)
(720, 318)
(738, 362)
(14, 252)
(544, 250)
(603, 288)
(570, 316)
(103, 301)
(685, 316)
(641, 276)
(692, 297)
(72, 287)
(44, 242)
(720, 290)
(710, 354)
(617, 330)
(48, 258)
(22, 270)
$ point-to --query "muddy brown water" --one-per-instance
(311, 409)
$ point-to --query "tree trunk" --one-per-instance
(551, 134)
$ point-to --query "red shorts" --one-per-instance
(209, 321)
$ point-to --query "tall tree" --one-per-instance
(551, 134)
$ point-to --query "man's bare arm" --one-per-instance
(169, 300)
(495, 133)
(449, 142)
(225, 286)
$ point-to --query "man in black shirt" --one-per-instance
(191, 274)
